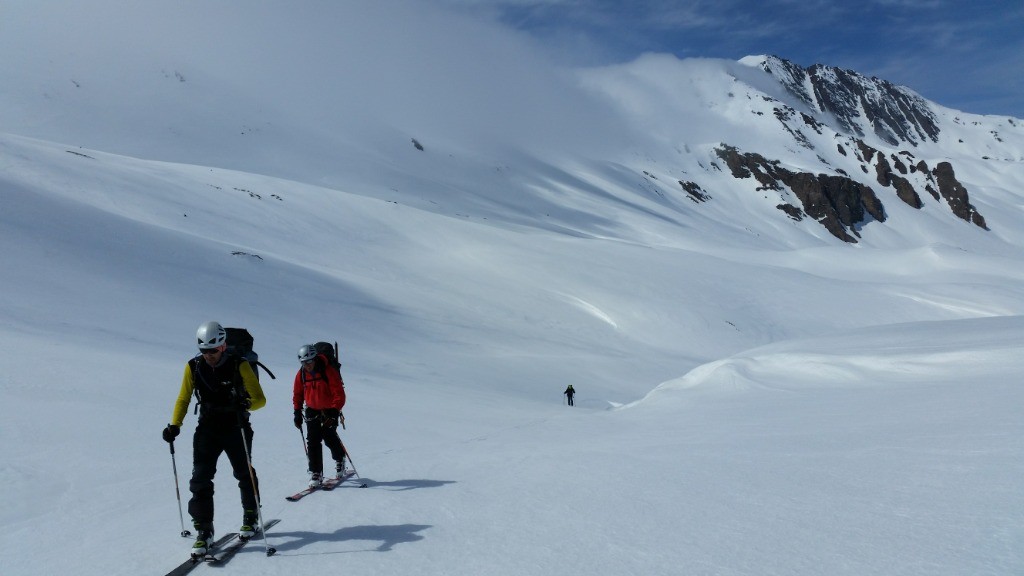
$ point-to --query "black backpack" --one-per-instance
(330, 351)
(240, 344)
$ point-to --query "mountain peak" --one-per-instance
(861, 105)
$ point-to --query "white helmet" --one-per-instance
(211, 335)
(307, 352)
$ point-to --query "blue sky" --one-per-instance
(960, 54)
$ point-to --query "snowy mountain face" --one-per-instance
(855, 106)
(859, 105)
(806, 150)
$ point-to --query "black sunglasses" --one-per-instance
(209, 350)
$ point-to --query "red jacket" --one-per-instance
(320, 389)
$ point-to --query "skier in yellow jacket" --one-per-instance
(226, 389)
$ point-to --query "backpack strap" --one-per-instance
(267, 370)
(197, 378)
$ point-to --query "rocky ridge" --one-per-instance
(841, 202)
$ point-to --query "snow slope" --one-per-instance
(754, 397)
(878, 434)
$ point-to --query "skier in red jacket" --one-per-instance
(319, 386)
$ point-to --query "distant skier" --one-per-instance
(226, 389)
(569, 393)
(319, 386)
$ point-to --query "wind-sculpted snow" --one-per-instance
(925, 353)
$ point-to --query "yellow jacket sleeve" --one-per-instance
(252, 386)
(184, 397)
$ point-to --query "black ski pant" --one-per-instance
(321, 429)
(569, 396)
(213, 436)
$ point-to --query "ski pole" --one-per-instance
(349, 456)
(255, 490)
(304, 447)
(177, 492)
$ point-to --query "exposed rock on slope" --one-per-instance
(893, 113)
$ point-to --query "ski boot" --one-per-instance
(203, 543)
(250, 525)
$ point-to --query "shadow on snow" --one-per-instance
(398, 485)
(388, 536)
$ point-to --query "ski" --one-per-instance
(333, 483)
(327, 485)
(218, 559)
(299, 495)
(187, 566)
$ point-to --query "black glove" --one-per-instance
(170, 433)
(331, 418)
(298, 418)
